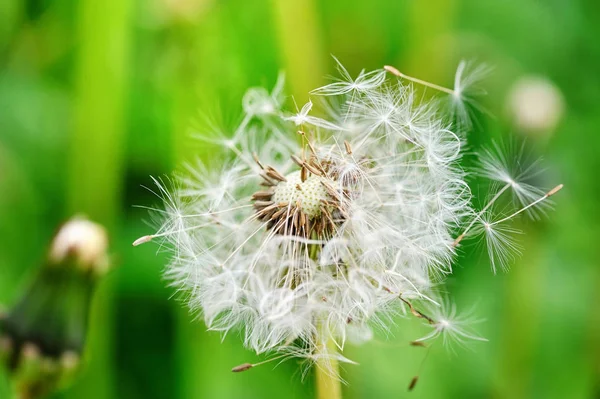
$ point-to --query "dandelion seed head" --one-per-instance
(325, 227)
(310, 193)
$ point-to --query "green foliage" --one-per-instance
(97, 96)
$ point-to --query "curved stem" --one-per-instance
(327, 372)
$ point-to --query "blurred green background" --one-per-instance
(96, 96)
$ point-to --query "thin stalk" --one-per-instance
(534, 203)
(396, 72)
(327, 372)
(298, 31)
(478, 216)
(96, 162)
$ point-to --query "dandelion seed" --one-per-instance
(516, 168)
(466, 90)
(463, 95)
(302, 118)
(364, 82)
(454, 328)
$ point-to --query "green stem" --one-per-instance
(96, 161)
(298, 31)
(327, 372)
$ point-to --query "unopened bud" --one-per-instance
(43, 334)
(86, 242)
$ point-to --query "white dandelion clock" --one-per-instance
(321, 228)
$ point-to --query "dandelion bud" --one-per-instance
(82, 241)
(42, 336)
